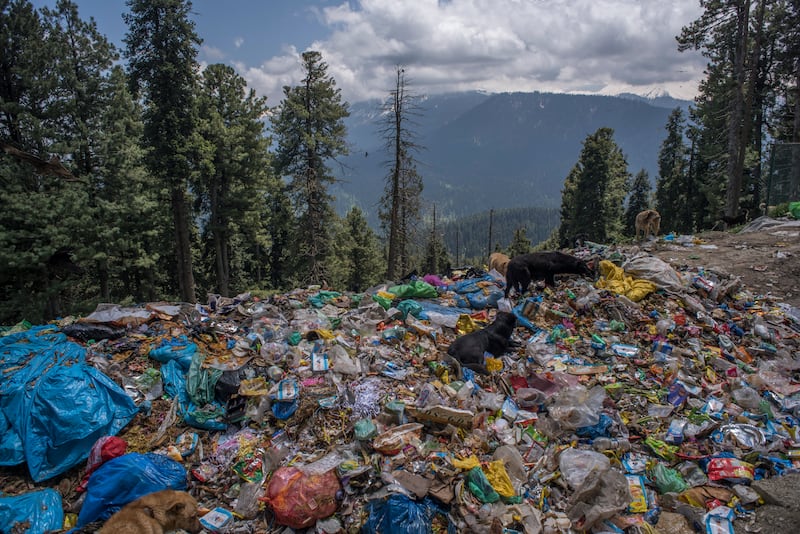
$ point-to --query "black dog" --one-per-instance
(468, 350)
(523, 269)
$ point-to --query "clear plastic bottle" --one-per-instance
(611, 444)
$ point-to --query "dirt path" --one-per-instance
(765, 255)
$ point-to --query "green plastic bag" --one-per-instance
(794, 209)
(200, 382)
(668, 480)
(322, 298)
(410, 307)
(383, 301)
(480, 487)
(416, 288)
(365, 429)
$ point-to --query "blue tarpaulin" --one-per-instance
(178, 355)
(32, 513)
(53, 405)
(126, 478)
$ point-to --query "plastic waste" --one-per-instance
(48, 391)
(577, 407)
(36, 512)
(398, 514)
(611, 444)
(480, 486)
(298, 499)
(576, 464)
(126, 478)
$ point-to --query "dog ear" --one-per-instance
(176, 509)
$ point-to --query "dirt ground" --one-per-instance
(764, 254)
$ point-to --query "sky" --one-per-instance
(562, 46)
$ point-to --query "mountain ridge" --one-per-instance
(501, 150)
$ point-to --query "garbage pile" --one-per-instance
(647, 399)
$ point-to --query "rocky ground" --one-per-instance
(763, 254)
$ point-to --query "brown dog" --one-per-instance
(647, 222)
(499, 262)
(155, 513)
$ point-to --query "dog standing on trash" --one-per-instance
(647, 222)
(469, 349)
(522, 270)
(499, 262)
(156, 513)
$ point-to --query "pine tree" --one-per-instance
(162, 51)
(360, 253)
(236, 170)
(436, 260)
(593, 197)
(127, 245)
(638, 200)
(671, 186)
(309, 130)
(400, 203)
(730, 35)
(53, 82)
(520, 244)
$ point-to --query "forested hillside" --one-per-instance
(469, 237)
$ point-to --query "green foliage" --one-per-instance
(358, 261)
(235, 171)
(436, 259)
(594, 191)
(467, 238)
(673, 187)
(520, 244)
(309, 130)
(161, 52)
(638, 200)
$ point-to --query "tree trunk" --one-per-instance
(183, 248)
(794, 189)
(222, 266)
(736, 127)
(102, 279)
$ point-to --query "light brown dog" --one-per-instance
(155, 513)
(499, 262)
(647, 222)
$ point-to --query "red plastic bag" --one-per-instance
(298, 498)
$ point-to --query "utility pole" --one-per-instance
(491, 220)
(457, 236)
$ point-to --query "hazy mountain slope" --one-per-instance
(498, 151)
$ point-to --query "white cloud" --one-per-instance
(602, 46)
(238, 42)
(212, 53)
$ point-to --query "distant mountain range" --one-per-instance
(495, 151)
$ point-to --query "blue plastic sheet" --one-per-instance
(432, 307)
(477, 293)
(400, 515)
(126, 478)
(42, 511)
(54, 405)
(174, 379)
(178, 348)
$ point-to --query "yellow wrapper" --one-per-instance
(498, 477)
(467, 463)
(493, 364)
(638, 503)
(465, 324)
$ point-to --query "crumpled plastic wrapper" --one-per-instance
(364, 399)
